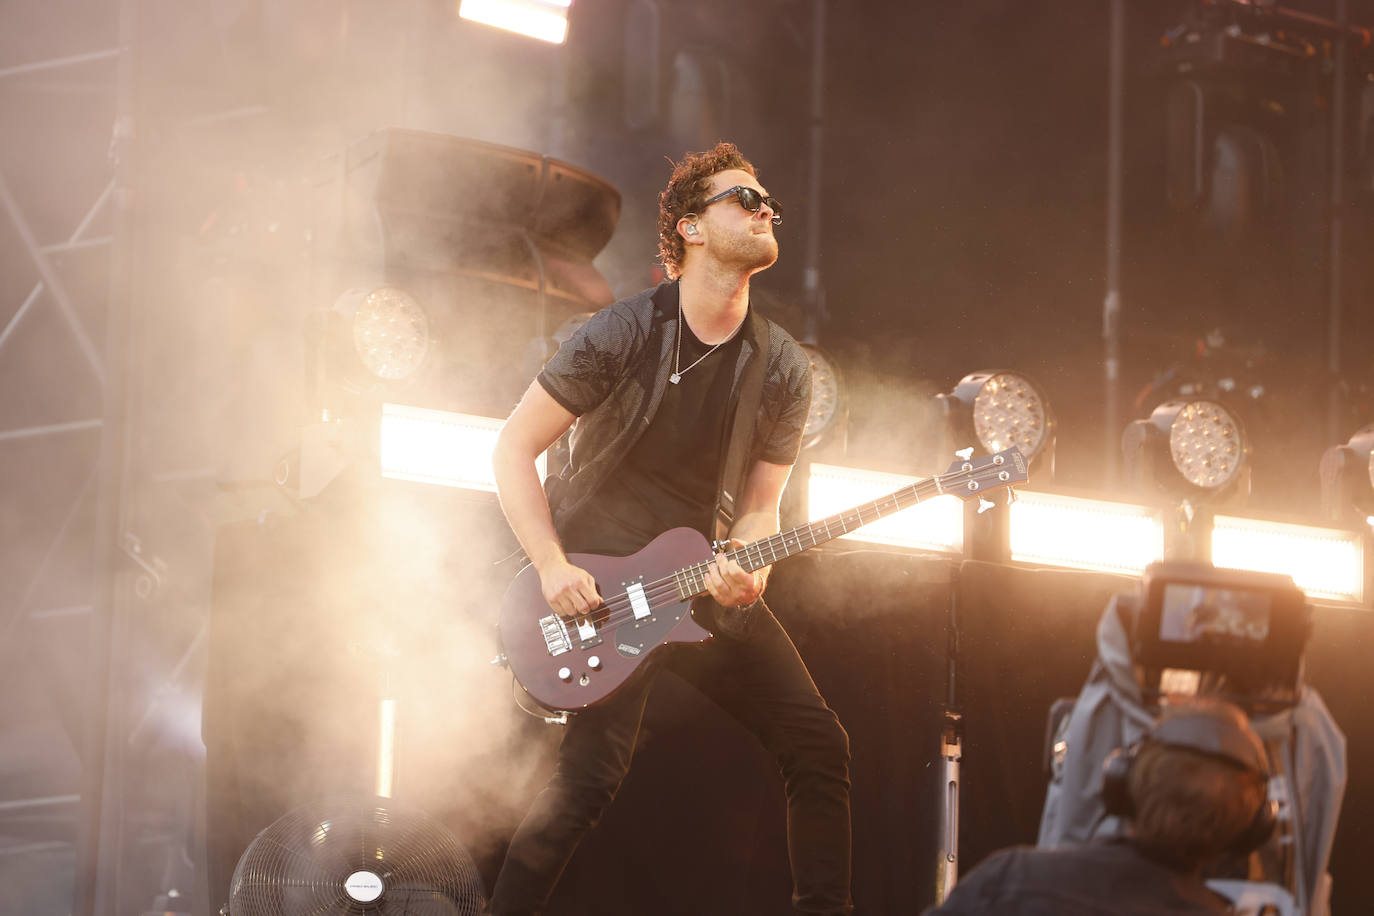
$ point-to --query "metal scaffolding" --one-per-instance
(40, 817)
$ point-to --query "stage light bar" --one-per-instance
(937, 524)
(1054, 530)
(546, 20)
(1324, 562)
(436, 446)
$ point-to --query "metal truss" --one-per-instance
(53, 284)
(48, 824)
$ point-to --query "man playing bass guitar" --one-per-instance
(690, 408)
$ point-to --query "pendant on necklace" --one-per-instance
(674, 378)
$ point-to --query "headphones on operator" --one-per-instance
(1215, 736)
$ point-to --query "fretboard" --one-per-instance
(691, 580)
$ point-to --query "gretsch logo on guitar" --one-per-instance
(572, 664)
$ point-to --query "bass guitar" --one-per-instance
(570, 664)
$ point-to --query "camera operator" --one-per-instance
(1194, 789)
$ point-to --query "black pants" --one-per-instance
(761, 681)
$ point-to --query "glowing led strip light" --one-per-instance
(437, 446)
(1324, 562)
(546, 20)
(1054, 530)
(936, 524)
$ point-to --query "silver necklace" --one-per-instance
(678, 373)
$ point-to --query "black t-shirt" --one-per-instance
(610, 372)
(1105, 878)
(669, 478)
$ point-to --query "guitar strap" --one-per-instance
(740, 444)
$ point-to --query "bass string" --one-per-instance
(668, 587)
(659, 594)
(665, 591)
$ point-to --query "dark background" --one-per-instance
(150, 388)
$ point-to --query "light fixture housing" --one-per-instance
(1189, 448)
(379, 335)
(997, 409)
(391, 334)
(828, 405)
(1347, 476)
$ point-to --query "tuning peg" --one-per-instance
(984, 504)
(965, 453)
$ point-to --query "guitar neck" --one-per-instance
(766, 551)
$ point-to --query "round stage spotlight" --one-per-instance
(1002, 409)
(1191, 448)
(371, 343)
(827, 396)
(1204, 441)
(390, 333)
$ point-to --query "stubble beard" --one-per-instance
(758, 254)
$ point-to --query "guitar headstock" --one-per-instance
(971, 477)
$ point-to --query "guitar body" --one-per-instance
(563, 670)
(647, 597)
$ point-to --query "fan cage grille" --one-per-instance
(300, 863)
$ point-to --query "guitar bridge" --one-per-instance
(556, 636)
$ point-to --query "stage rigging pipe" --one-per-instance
(815, 293)
(99, 832)
(1111, 304)
(1335, 305)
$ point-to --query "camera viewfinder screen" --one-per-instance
(1201, 614)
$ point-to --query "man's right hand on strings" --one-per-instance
(570, 590)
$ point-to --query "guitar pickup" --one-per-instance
(638, 602)
(586, 630)
(556, 636)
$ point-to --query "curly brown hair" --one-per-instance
(685, 192)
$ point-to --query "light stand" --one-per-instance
(951, 753)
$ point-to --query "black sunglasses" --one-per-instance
(750, 200)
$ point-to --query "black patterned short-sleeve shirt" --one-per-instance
(611, 374)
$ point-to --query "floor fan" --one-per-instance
(355, 859)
